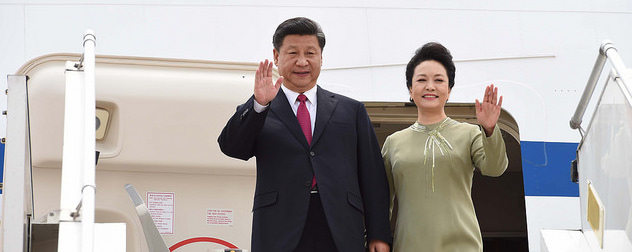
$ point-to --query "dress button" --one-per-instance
(308, 183)
(311, 153)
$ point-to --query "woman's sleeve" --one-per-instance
(389, 172)
(489, 154)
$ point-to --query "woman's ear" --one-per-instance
(449, 92)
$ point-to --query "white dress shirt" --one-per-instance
(294, 102)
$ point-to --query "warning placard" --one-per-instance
(221, 217)
(161, 207)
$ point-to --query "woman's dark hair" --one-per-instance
(298, 26)
(431, 51)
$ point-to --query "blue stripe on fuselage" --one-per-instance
(2, 159)
(546, 168)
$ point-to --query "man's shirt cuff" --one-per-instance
(258, 107)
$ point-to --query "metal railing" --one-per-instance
(78, 162)
(88, 190)
(607, 51)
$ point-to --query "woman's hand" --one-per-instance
(488, 111)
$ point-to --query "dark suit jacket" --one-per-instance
(344, 156)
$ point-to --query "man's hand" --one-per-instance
(265, 91)
(378, 246)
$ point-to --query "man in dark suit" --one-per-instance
(321, 184)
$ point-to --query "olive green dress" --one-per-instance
(430, 169)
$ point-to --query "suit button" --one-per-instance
(311, 153)
(308, 183)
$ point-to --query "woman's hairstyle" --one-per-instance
(298, 26)
(431, 51)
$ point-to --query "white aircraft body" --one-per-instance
(169, 74)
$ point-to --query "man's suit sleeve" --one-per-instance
(373, 182)
(240, 133)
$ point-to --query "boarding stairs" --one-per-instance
(603, 168)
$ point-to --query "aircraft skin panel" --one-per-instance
(551, 198)
(550, 213)
(546, 169)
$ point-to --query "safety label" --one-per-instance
(161, 207)
(221, 217)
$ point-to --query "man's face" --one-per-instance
(299, 60)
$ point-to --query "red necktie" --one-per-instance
(306, 124)
(303, 118)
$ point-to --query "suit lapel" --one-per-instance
(325, 107)
(281, 108)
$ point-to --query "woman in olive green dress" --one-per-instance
(430, 164)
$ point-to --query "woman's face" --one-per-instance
(430, 89)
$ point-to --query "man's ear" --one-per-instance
(276, 56)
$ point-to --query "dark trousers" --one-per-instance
(316, 235)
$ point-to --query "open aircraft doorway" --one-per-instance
(499, 202)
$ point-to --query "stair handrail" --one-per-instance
(607, 51)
